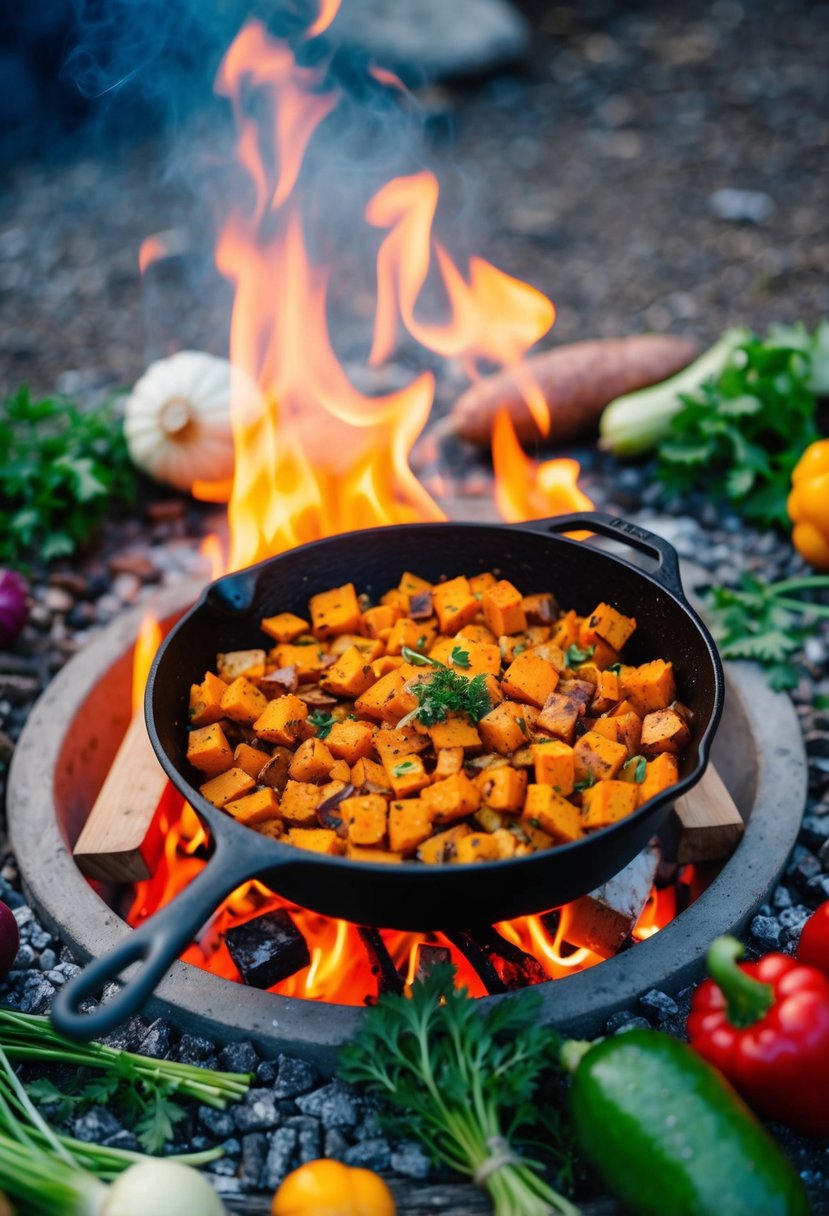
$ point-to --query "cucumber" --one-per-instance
(671, 1138)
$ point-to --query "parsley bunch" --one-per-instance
(61, 471)
(767, 622)
(446, 692)
(467, 1081)
(739, 436)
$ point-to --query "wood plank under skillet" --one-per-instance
(417, 1199)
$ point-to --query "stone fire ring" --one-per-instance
(75, 729)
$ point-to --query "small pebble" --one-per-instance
(278, 1161)
(659, 1004)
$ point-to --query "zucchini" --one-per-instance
(669, 1135)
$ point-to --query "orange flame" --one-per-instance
(146, 645)
(327, 13)
(211, 549)
(525, 489)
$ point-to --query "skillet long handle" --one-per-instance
(667, 571)
(156, 945)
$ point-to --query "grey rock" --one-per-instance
(369, 1154)
(370, 1127)
(766, 932)
(257, 1112)
(432, 40)
(239, 1057)
(781, 898)
(794, 917)
(255, 1148)
(634, 1024)
(195, 1050)
(619, 1020)
(818, 889)
(824, 855)
(336, 1145)
(309, 1136)
(218, 1122)
(11, 898)
(25, 957)
(226, 1187)
(96, 1125)
(55, 977)
(47, 960)
(35, 993)
(67, 969)
(266, 1072)
(278, 1161)
(124, 1140)
(658, 1004)
(814, 832)
(128, 1036)
(158, 1040)
(294, 1077)
(409, 1159)
(336, 1105)
(741, 206)
(226, 1167)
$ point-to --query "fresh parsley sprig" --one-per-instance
(61, 470)
(767, 622)
(446, 692)
(466, 1080)
(740, 435)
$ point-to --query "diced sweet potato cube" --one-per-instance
(660, 773)
(545, 809)
(250, 663)
(597, 757)
(503, 608)
(580, 691)
(335, 611)
(369, 648)
(416, 635)
(397, 600)
(566, 630)
(393, 745)
(242, 701)
(537, 839)
(312, 762)
(407, 776)
(316, 840)
(350, 740)
(479, 583)
(285, 626)
(529, 678)
(664, 730)
(275, 772)
(209, 750)
(376, 620)
(607, 802)
(489, 819)
(466, 657)
(298, 806)
(402, 700)
(282, 720)
(478, 633)
(621, 728)
(477, 846)
(370, 777)
(603, 654)
(374, 702)
(350, 676)
(540, 608)
(506, 841)
(504, 729)
(384, 856)
(409, 826)
(610, 625)
(442, 848)
(552, 654)
(254, 808)
(366, 816)
(251, 759)
(449, 762)
(455, 732)
(205, 701)
(413, 584)
(607, 692)
(386, 663)
(340, 771)
(648, 687)
(307, 661)
(455, 604)
(273, 828)
(554, 765)
(227, 786)
(502, 788)
(559, 716)
(453, 798)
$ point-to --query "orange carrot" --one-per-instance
(577, 382)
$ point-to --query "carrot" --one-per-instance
(577, 382)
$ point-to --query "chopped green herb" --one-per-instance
(403, 767)
(522, 725)
(574, 654)
(421, 641)
(519, 649)
(321, 722)
(419, 660)
(589, 781)
(640, 770)
(447, 692)
(615, 668)
(459, 657)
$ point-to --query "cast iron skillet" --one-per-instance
(410, 895)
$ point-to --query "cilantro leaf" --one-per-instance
(459, 657)
(574, 654)
(322, 723)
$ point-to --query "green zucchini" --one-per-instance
(671, 1138)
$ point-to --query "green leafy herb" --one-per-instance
(589, 781)
(421, 641)
(466, 1080)
(740, 435)
(615, 668)
(574, 654)
(522, 725)
(641, 769)
(322, 723)
(419, 660)
(61, 470)
(399, 770)
(519, 649)
(447, 692)
(766, 622)
(459, 657)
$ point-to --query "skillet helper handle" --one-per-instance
(667, 570)
(156, 944)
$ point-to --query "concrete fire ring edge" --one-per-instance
(201, 1003)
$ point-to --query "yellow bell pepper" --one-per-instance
(808, 505)
(328, 1188)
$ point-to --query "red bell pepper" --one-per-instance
(765, 1026)
(813, 947)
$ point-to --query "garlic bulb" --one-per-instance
(177, 420)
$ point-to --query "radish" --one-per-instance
(9, 940)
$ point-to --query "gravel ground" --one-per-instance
(650, 169)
